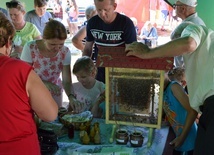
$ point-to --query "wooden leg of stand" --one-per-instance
(150, 137)
(111, 139)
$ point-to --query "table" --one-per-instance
(74, 147)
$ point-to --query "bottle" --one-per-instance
(71, 131)
(97, 137)
(92, 134)
(85, 138)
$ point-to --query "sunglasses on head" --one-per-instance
(12, 4)
(176, 5)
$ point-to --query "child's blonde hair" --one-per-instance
(177, 73)
(84, 63)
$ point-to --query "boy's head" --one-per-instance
(40, 7)
(85, 64)
(84, 69)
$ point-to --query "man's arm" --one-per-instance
(78, 37)
(173, 48)
(88, 49)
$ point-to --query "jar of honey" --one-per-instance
(122, 136)
(136, 139)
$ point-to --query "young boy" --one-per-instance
(88, 90)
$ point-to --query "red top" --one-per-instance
(18, 133)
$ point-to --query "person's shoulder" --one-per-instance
(31, 28)
(9, 64)
(31, 13)
(94, 21)
(192, 26)
(154, 28)
(48, 14)
(4, 11)
(124, 18)
(100, 84)
(94, 18)
(4, 59)
(30, 25)
(18, 63)
(30, 44)
(175, 85)
(119, 15)
(65, 49)
(76, 85)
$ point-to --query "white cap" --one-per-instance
(192, 3)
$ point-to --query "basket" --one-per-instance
(77, 124)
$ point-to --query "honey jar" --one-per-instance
(122, 136)
(136, 139)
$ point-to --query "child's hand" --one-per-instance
(77, 106)
(177, 142)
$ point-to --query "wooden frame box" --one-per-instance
(134, 87)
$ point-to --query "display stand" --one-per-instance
(134, 88)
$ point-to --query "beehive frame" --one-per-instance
(148, 115)
(114, 59)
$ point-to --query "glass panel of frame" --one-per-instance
(134, 96)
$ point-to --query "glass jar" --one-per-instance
(136, 139)
(122, 136)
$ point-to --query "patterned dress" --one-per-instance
(48, 69)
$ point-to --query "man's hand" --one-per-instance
(137, 49)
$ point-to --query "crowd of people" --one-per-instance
(33, 42)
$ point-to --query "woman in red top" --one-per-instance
(22, 93)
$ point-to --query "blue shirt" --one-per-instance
(40, 22)
(118, 33)
(4, 11)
